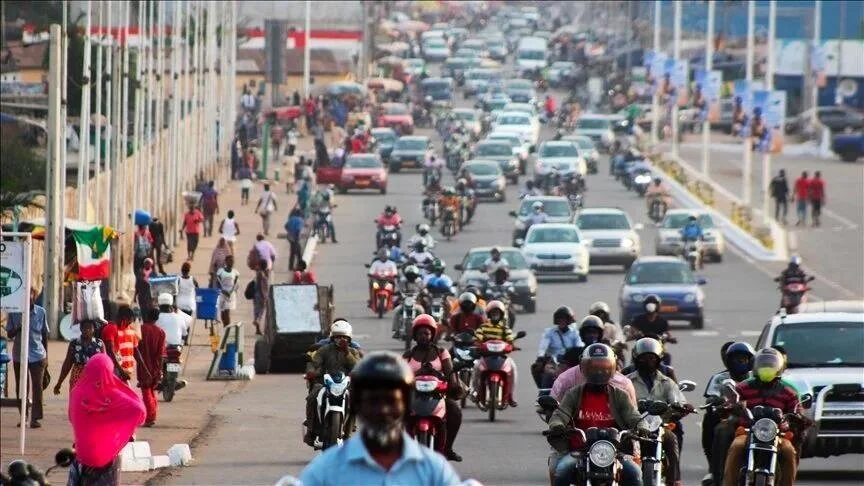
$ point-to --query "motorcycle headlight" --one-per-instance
(653, 423)
(627, 243)
(637, 297)
(337, 389)
(602, 453)
(690, 298)
(765, 430)
(464, 354)
(643, 179)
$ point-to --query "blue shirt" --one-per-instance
(555, 343)
(352, 464)
(354, 344)
(294, 226)
(38, 323)
(692, 231)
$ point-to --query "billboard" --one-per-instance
(817, 63)
(706, 94)
(766, 126)
(680, 78)
(654, 62)
(743, 103)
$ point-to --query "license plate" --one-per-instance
(173, 367)
(668, 308)
(362, 183)
(409, 162)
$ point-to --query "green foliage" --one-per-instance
(41, 14)
(23, 172)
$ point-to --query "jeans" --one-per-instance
(781, 207)
(631, 475)
(801, 206)
(36, 370)
(296, 254)
(816, 210)
(208, 224)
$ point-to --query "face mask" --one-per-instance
(767, 375)
(651, 307)
(382, 436)
(590, 339)
(737, 368)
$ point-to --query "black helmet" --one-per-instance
(648, 345)
(739, 349)
(591, 322)
(563, 313)
(600, 309)
(382, 369)
(651, 298)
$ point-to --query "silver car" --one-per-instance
(668, 239)
(611, 237)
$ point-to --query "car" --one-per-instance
(477, 81)
(670, 279)
(435, 49)
(521, 276)
(560, 155)
(556, 250)
(491, 102)
(838, 119)
(825, 358)
(596, 127)
(502, 153)
(439, 89)
(611, 237)
(409, 151)
(497, 48)
(396, 116)
(363, 171)
(455, 67)
(414, 66)
(527, 108)
(668, 239)
(587, 149)
(520, 90)
(385, 138)
(471, 119)
(519, 124)
(487, 179)
(520, 150)
(848, 146)
(557, 209)
(472, 51)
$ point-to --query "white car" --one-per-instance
(668, 239)
(520, 149)
(558, 70)
(611, 237)
(562, 156)
(556, 250)
(587, 149)
(527, 108)
(597, 127)
(518, 123)
(414, 66)
(435, 49)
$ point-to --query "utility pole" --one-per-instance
(817, 35)
(124, 114)
(84, 116)
(97, 156)
(655, 100)
(54, 225)
(676, 53)
(176, 91)
(769, 86)
(307, 48)
(709, 65)
(109, 114)
(139, 114)
(747, 181)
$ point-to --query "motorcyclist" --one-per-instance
(382, 265)
(494, 262)
(530, 190)
(792, 273)
(766, 388)
(324, 200)
(411, 283)
(692, 230)
(389, 218)
(463, 190)
(549, 106)
(596, 403)
(420, 255)
(651, 323)
(738, 360)
(424, 236)
(431, 165)
(449, 199)
(537, 216)
(499, 285)
(337, 356)
(468, 316)
(426, 353)
(651, 384)
(495, 327)
(611, 331)
(481, 301)
(554, 343)
(657, 189)
(437, 269)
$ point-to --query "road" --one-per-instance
(254, 436)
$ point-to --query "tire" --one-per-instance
(406, 336)
(530, 307)
(383, 190)
(647, 475)
(492, 388)
(423, 437)
(761, 480)
(262, 357)
(381, 303)
(692, 265)
(849, 156)
(698, 323)
(395, 169)
(467, 381)
(718, 258)
(333, 430)
(169, 388)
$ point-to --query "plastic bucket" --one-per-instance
(206, 300)
(229, 358)
(142, 217)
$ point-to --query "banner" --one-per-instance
(680, 78)
(94, 252)
(706, 94)
(654, 62)
(14, 283)
(769, 114)
(743, 103)
(817, 63)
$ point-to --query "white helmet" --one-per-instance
(340, 328)
(423, 228)
(165, 299)
(599, 306)
(537, 205)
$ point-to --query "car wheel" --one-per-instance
(383, 190)
(343, 190)
(395, 169)
(530, 307)
(698, 323)
(627, 266)
(583, 278)
(718, 257)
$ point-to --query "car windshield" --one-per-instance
(483, 169)
(478, 75)
(513, 120)
(584, 143)
(592, 123)
(495, 44)
(602, 221)
(487, 149)
(660, 273)
(511, 139)
(532, 55)
(456, 63)
(519, 84)
(839, 344)
(403, 144)
(465, 115)
(553, 235)
(415, 63)
(562, 65)
(678, 220)
(388, 137)
(436, 86)
(476, 259)
(396, 109)
(553, 208)
(498, 104)
(563, 150)
(436, 44)
(362, 162)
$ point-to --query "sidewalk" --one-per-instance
(182, 420)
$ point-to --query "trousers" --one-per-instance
(36, 371)
(151, 404)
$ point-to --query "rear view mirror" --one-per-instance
(513, 214)
(459, 267)
(807, 400)
(687, 385)
(701, 281)
(367, 265)
(547, 402)
(728, 390)
(521, 334)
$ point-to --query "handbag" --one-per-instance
(46, 379)
(249, 293)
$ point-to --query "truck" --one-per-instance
(848, 146)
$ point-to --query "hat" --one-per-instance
(165, 299)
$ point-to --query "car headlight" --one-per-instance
(653, 423)
(765, 430)
(627, 243)
(637, 297)
(690, 298)
(602, 453)
(498, 184)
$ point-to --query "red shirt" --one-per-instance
(817, 189)
(310, 107)
(802, 188)
(461, 322)
(192, 222)
(123, 342)
(356, 145)
(594, 411)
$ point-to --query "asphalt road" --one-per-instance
(254, 436)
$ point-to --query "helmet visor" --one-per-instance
(767, 367)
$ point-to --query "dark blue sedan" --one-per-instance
(671, 279)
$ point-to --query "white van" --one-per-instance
(531, 53)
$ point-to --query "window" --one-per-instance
(839, 343)
(554, 208)
(465, 115)
(592, 124)
(602, 221)
(476, 260)
(483, 169)
(362, 162)
(678, 220)
(403, 144)
(563, 150)
(493, 149)
(660, 273)
(513, 120)
(553, 235)
(396, 109)
(532, 55)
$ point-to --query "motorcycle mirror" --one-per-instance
(807, 400)
(811, 278)
(728, 390)
(701, 281)
(64, 457)
(547, 402)
(513, 214)
(521, 334)
(687, 385)
(367, 265)
(458, 267)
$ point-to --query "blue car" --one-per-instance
(670, 278)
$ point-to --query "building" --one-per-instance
(22, 63)
(325, 66)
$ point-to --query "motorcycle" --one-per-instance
(658, 208)
(20, 473)
(597, 452)
(468, 206)
(333, 406)
(794, 294)
(438, 308)
(426, 422)
(654, 462)
(171, 369)
(422, 117)
(408, 315)
(431, 210)
(383, 286)
(640, 183)
(692, 253)
(431, 177)
(504, 295)
(448, 223)
(385, 232)
(464, 355)
(322, 224)
(494, 370)
(577, 201)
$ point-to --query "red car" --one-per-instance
(395, 116)
(363, 171)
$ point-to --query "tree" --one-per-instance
(39, 14)
(23, 171)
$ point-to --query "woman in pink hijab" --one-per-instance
(104, 412)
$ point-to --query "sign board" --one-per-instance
(274, 49)
(743, 103)
(294, 309)
(14, 282)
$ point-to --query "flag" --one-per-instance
(94, 252)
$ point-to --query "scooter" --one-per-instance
(494, 370)
(426, 422)
(384, 233)
(793, 295)
(20, 473)
(658, 208)
(692, 253)
(333, 406)
(464, 355)
(431, 210)
(171, 372)
(322, 224)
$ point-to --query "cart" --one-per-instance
(298, 316)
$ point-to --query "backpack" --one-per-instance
(142, 246)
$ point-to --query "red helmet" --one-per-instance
(424, 320)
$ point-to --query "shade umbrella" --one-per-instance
(413, 26)
(342, 87)
(390, 61)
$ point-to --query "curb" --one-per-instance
(309, 249)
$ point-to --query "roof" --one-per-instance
(17, 55)
(602, 211)
(423, 138)
(323, 61)
(545, 198)
(814, 317)
(686, 211)
(832, 306)
(554, 225)
(487, 249)
(659, 259)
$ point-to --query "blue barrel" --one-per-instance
(206, 300)
(229, 358)
(142, 217)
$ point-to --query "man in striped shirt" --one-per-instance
(121, 339)
(495, 328)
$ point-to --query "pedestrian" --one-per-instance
(192, 227)
(37, 354)
(292, 140)
(303, 196)
(251, 160)
(143, 295)
(229, 230)
(816, 193)
(248, 101)
(293, 227)
(80, 350)
(236, 152)
(295, 98)
(226, 282)
(210, 206)
(217, 259)
(148, 358)
(265, 251)
(265, 207)
(245, 176)
(309, 111)
(121, 338)
(802, 193)
(262, 289)
(303, 276)
(186, 286)
(104, 413)
(780, 192)
(142, 247)
(157, 231)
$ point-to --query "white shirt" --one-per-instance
(421, 258)
(229, 229)
(248, 101)
(292, 137)
(491, 265)
(383, 268)
(174, 326)
(186, 293)
(227, 279)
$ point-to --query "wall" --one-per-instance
(31, 75)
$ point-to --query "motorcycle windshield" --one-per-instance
(424, 405)
(495, 363)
